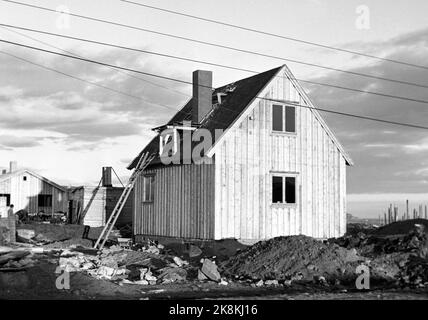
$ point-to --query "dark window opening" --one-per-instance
(290, 189)
(277, 118)
(277, 190)
(283, 189)
(24, 178)
(5, 196)
(283, 118)
(148, 188)
(290, 119)
(45, 200)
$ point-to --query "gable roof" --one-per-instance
(232, 107)
(16, 173)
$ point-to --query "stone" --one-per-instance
(271, 282)
(26, 233)
(223, 282)
(201, 276)
(209, 268)
(194, 251)
(260, 283)
(173, 274)
(149, 277)
(180, 262)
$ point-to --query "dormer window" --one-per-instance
(170, 136)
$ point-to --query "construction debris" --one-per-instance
(210, 270)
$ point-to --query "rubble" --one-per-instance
(194, 251)
(210, 270)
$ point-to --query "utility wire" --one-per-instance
(215, 64)
(274, 35)
(190, 83)
(79, 79)
(218, 45)
(7, 27)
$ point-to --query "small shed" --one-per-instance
(29, 191)
(93, 205)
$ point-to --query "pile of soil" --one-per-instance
(293, 257)
(400, 227)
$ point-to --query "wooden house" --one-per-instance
(274, 167)
(29, 191)
(93, 205)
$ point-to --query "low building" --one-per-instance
(93, 205)
(29, 191)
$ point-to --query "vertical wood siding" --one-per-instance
(250, 153)
(183, 204)
(24, 194)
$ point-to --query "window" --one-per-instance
(283, 189)
(148, 188)
(5, 198)
(45, 200)
(24, 178)
(283, 118)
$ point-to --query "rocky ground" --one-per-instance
(294, 267)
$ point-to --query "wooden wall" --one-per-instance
(24, 194)
(98, 203)
(183, 203)
(250, 153)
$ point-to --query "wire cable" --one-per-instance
(190, 83)
(217, 64)
(216, 45)
(274, 35)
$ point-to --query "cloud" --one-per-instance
(40, 99)
(8, 142)
(388, 158)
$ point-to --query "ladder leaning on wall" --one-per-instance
(143, 162)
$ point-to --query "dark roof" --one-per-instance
(221, 115)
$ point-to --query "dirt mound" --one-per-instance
(293, 257)
(400, 227)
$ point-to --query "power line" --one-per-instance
(215, 64)
(274, 35)
(6, 27)
(77, 78)
(190, 83)
(220, 45)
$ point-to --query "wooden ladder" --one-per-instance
(143, 162)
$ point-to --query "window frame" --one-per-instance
(152, 190)
(45, 197)
(285, 175)
(284, 119)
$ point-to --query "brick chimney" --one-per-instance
(106, 182)
(202, 94)
(13, 166)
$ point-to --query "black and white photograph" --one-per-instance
(225, 152)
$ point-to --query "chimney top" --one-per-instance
(13, 166)
(202, 94)
(106, 180)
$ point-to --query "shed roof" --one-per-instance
(18, 172)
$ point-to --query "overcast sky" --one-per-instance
(67, 129)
